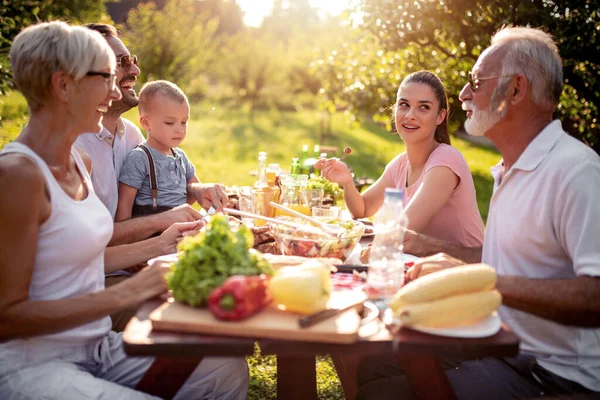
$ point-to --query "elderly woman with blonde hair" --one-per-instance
(55, 333)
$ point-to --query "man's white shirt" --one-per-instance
(108, 158)
(544, 223)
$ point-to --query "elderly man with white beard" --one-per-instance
(542, 234)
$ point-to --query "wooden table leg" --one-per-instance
(296, 378)
(165, 376)
(427, 378)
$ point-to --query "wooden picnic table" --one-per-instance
(418, 354)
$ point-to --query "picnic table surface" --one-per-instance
(418, 354)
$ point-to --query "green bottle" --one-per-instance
(303, 158)
(295, 170)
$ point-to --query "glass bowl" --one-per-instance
(296, 242)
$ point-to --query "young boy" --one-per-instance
(155, 175)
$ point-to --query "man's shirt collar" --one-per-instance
(540, 147)
(105, 134)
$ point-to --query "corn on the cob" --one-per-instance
(450, 311)
(448, 282)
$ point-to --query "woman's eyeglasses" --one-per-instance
(474, 82)
(126, 60)
(112, 77)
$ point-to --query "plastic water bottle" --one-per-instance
(386, 261)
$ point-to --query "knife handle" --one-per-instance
(310, 320)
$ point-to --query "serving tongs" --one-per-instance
(302, 227)
(331, 229)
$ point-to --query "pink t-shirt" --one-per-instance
(458, 221)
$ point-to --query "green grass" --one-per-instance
(223, 144)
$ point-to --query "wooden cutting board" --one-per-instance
(270, 323)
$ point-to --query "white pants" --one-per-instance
(102, 370)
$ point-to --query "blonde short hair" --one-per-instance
(43, 49)
(160, 88)
(533, 53)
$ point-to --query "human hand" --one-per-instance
(417, 244)
(150, 282)
(335, 171)
(208, 194)
(427, 265)
(182, 213)
(176, 232)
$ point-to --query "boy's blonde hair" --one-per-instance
(160, 88)
(43, 49)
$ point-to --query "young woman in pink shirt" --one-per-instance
(439, 192)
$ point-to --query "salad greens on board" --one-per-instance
(207, 259)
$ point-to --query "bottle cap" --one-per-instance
(394, 194)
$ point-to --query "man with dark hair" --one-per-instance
(541, 237)
(108, 150)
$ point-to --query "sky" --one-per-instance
(255, 10)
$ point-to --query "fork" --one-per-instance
(209, 212)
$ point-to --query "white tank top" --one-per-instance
(69, 257)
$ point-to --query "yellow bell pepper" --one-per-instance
(301, 290)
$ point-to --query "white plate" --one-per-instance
(488, 327)
(171, 258)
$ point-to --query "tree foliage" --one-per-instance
(18, 14)
(400, 36)
(177, 43)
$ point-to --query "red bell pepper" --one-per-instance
(239, 297)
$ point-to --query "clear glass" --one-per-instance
(327, 213)
(315, 197)
(246, 203)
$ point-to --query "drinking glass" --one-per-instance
(327, 213)
(315, 197)
(246, 203)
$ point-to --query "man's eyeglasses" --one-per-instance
(112, 77)
(474, 82)
(126, 60)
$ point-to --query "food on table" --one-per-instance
(448, 298)
(304, 289)
(365, 253)
(207, 259)
(268, 248)
(239, 297)
(448, 282)
(450, 311)
(320, 268)
(297, 242)
(262, 234)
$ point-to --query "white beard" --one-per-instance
(482, 121)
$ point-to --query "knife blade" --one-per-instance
(313, 319)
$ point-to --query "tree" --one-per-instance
(18, 14)
(448, 36)
(176, 43)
